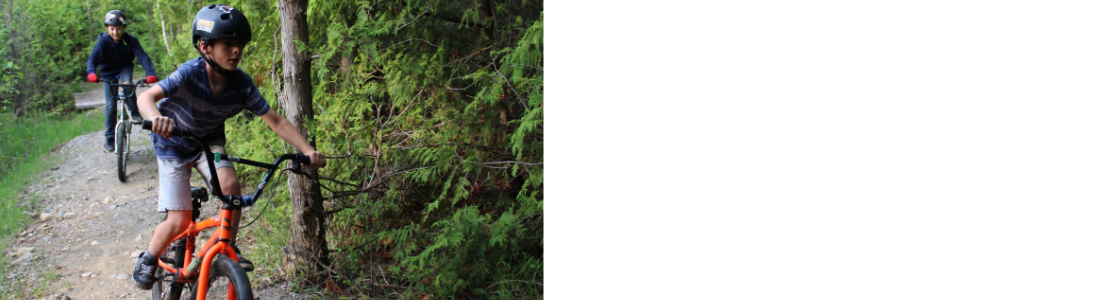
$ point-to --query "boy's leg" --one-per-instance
(126, 77)
(174, 199)
(168, 229)
(110, 114)
(227, 175)
(230, 185)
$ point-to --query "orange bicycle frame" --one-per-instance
(218, 243)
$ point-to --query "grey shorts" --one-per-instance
(175, 179)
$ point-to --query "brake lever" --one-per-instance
(299, 171)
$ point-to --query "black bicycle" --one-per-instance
(122, 133)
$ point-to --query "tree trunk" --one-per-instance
(91, 22)
(308, 248)
(163, 32)
(15, 38)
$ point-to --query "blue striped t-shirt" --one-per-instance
(195, 108)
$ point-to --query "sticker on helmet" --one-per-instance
(123, 20)
(108, 18)
(226, 8)
(204, 25)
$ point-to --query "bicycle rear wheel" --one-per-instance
(166, 288)
(226, 274)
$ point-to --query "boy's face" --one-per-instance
(226, 52)
(115, 31)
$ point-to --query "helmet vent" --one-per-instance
(225, 16)
(211, 6)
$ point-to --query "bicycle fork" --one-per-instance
(123, 120)
(217, 244)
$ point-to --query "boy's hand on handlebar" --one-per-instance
(91, 77)
(163, 126)
(316, 160)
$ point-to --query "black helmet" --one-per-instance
(219, 22)
(114, 18)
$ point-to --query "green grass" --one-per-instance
(23, 145)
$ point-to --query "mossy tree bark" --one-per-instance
(307, 251)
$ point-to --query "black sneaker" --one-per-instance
(109, 146)
(244, 262)
(143, 271)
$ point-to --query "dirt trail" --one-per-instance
(88, 227)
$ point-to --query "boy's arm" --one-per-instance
(93, 59)
(288, 133)
(147, 105)
(144, 59)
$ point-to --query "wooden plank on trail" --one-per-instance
(89, 103)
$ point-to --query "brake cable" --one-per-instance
(272, 193)
(269, 196)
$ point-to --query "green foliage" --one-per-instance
(431, 113)
(10, 81)
(439, 117)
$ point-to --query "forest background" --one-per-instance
(430, 111)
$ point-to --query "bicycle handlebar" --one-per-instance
(297, 160)
(139, 83)
(134, 86)
(148, 125)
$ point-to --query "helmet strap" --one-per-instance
(214, 64)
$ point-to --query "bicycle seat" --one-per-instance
(200, 193)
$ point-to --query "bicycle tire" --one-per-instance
(120, 142)
(224, 273)
(169, 290)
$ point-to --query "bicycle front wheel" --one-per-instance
(226, 275)
(165, 288)
(120, 143)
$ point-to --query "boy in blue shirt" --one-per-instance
(201, 95)
(114, 53)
